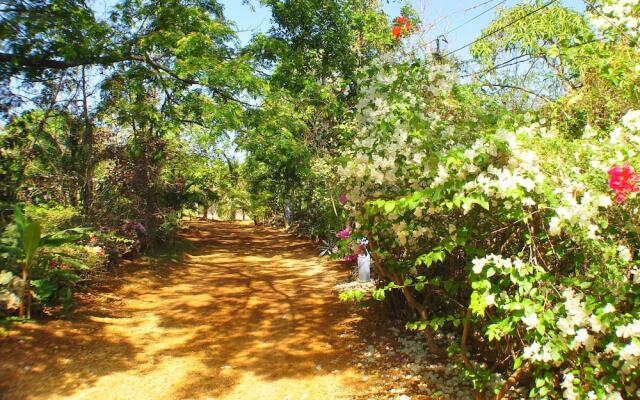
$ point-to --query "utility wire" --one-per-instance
(438, 20)
(512, 61)
(443, 35)
(503, 27)
(465, 10)
(470, 20)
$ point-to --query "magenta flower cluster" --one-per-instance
(344, 234)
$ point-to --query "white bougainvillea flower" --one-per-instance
(531, 320)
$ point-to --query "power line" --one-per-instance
(471, 20)
(513, 61)
(465, 10)
(503, 27)
(443, 35)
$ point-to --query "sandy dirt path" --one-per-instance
(247, 313)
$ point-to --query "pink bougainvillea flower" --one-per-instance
(343, 199)
(621, 197)
(623, 180)
(344, 234)
(350, 258)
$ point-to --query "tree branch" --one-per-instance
(51, 63)
(513, 380)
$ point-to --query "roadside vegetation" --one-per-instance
(496, 194)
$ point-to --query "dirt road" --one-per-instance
(247, 313)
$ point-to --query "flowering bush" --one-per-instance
(502, 228)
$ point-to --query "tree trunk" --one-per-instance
(419, 308)
(87, 143)
(25, 305)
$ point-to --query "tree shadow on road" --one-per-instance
(240, 303)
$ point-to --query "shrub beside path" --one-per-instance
(246, 313)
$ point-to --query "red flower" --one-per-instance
(623, 179)
(343, 199)
(402, 26)
(396, 31)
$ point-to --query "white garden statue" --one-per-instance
(364, 262)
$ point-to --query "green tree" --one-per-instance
(312, 54)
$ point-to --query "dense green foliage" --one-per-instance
(500, 204)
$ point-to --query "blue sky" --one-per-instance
(448, 14)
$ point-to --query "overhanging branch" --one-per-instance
(51, 63)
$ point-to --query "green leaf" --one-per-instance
(44, 289)
(352, 295)
(57, 241)
(5, 277)
(477, 304)
(482, 202)
(389, 206)
(585, 285)
(449, 286)
(431, 257)
(65, 275)
(31, 241)
(378, 294)
(19, 218)
(517, 363)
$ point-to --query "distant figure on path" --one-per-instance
(287, 214)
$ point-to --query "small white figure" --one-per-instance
(364, 262)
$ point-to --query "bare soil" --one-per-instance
(247, 313)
